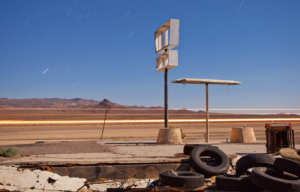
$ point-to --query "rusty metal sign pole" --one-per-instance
(166, 100)
(207, 115)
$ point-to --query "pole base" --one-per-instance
(169, 136)
(243, 135)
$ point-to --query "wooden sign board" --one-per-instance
(167, 36)
(167, 60)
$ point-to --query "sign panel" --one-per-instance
(167, 36)
(167, 60)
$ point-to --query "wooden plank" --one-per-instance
(206, 81)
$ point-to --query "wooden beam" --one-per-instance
(207, 115)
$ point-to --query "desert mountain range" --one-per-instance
(94, 104)
(61, 103)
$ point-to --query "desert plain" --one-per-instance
(12, 133)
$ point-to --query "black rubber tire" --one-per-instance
(235, 183)
(207, 170)
(287, 165)
(271, 183)
(188, 148)
(184, 179)
(253, 160)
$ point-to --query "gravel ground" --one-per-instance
(63, 147)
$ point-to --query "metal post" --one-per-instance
(207, 114)
(166, 99)
(104, 123)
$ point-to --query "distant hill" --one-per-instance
(46, 103)
(106, 103)
(81, 103)
(120, 111)
(115, 108)
(63, 103)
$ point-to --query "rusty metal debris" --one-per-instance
(278, 136)
(45, 168)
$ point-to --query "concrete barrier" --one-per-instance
(243, 135)
(169, 136)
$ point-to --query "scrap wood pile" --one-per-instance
(268, 172)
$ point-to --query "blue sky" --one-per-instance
(105, 49)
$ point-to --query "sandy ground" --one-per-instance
(81, 143)
(11, 135)
(61, 147)
(91, 152)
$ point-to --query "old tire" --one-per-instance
(253, 160)
(184, 179)
(271, 183)
(287, 165)
(235, 183)
(188, 148)
(220, 158)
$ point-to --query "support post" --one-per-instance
(166, 100)
(207, 115)
(104, 123)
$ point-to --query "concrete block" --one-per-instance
(26, 179)
(43, 182)
(15, 179)
(8, 168)
(94, 173)
(39, 185)
(49, 187)
(55, 177)
(44, 175)
(37, 171)
(69, 184)
(169, 136)
(12, 188)
(243, 135)
(6, 177)
(26, 171)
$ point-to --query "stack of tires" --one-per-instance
(206, 160)
(268, 173)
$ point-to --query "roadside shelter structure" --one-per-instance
(206, 82)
